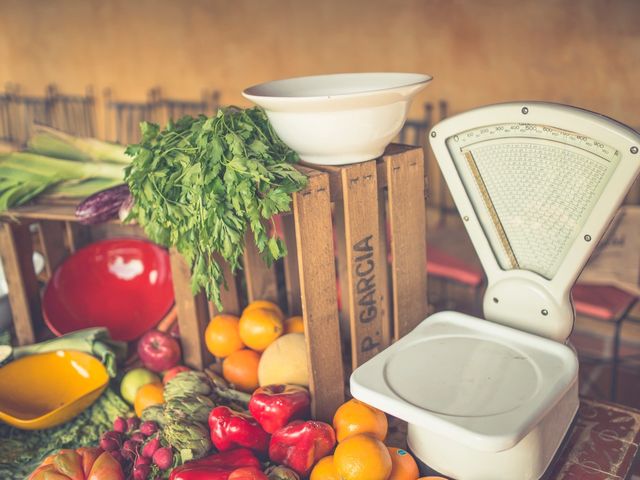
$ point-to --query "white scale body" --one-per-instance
(536, 185)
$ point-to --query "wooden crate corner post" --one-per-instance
(16, 249)
(314, 245)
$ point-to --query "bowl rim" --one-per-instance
(247, 92)
(45, 314)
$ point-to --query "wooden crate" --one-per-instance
(360, 225)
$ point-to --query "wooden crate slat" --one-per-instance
(366, 262)
(230, 296)
(405, 173)
(387, 325)
(342, 264)
(335, 172)
(290, 262)
(52, 236)
(312, 214)
(77, 236)
(16, 249)
(261, 280)
(193, 313)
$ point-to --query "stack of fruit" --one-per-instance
(361, 453)
(253, 346)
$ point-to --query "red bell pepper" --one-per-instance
(217, 466)
(231, 429)
(248, 473)
(300, 444)
(274, 406)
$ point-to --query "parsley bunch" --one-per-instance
(202, 182)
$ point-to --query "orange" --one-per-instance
(259, 327)
(265, 305)
(147, 395)
(324, 470)
(222, 335)
(241, 369)
(294, 325)
(362, 457)
(403, 466)
(355, 417)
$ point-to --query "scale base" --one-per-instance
(527, 460)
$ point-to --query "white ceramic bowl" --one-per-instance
(338, 119)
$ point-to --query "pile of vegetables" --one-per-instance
(21, 451)
(59, 165)
(200, 184)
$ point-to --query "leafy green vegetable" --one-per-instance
(21, 451)
(201, 183)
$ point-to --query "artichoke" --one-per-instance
(191, 439)
(187, 384)
(154, 413)
(194, 408)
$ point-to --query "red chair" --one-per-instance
(608, 304)
(452, 269)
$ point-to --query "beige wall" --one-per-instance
(583, 52)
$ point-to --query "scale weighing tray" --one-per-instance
(536, 185)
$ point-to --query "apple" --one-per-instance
(172, 372)
(133, 380)
(158, 351)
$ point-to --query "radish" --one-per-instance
(148, 428)
(151, 447)
(163, 458)
(137, 437)
(142, 461)
(120, 425)
(130, 449)
(133, 423)
(108, 444)
(141, 472)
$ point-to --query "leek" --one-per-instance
(80, 188)
(54, 143)
(25, 175)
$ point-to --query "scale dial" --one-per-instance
(532, 187)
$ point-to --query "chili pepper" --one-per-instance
(217, 466)
(300, 444)
(274, 406)
(231, 429)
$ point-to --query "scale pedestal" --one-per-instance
(536, 186)
(494, 404)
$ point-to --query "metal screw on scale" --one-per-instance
(634, 150)
(433, 134)
(525, 110)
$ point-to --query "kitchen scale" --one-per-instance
(536, 185)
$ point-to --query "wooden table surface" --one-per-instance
(601, 445)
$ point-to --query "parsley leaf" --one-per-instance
(201, 183)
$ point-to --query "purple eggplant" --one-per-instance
(102, 206)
